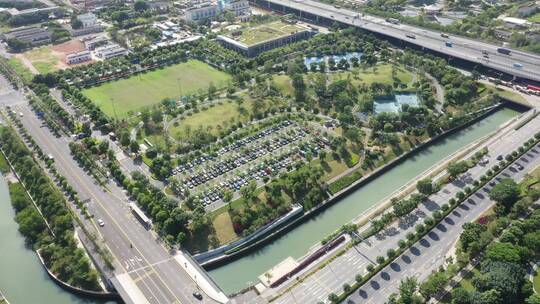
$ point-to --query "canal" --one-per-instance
(243, 272)
(22, 278)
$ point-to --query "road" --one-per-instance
(428, 254)
(151, 268)
(344, 268)
(463, 48)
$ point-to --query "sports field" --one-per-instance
(134, 93)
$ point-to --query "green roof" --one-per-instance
(265, 32)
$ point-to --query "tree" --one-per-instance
(140, 5)
(76, 23)
(408, 291)
(506, 278)
(504, 252)
(134, 147)
(17, 45)
(533, 299)
(532, 242)
(425, 186)
(434, 284)
(456, 168)
(505, 193)
(124, 138)
(461, 296)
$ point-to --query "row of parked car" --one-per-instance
(240, 159)
(236, 146)
(234, 183)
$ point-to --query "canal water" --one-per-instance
(243, 272)
(22, 278)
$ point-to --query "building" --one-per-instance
(209, 10)
(78, 57)
(93, 43)
(110, 51)
(526, 11)
(255, 40)
(159, 6)
(239, 8)
(31, 35)
(30, 11)
(88, 20)
(90, 24)
(206, 11)
(516, 22)
(90, 4)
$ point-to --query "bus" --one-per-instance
(503, 51)
(139, 214)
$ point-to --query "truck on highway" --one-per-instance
(503, 51)
(448, 44)
(392, 20)
(410, 36)
(444, 35)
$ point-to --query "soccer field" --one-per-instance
(137, 92)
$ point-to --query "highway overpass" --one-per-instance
(465, 49)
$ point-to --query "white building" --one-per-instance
(93, 43)
(239, 8)
(110, 51)
(201, 12)
(210, 10)
(511, 21)
(78, 57)
(88, 20)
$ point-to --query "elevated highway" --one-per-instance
(469, 50)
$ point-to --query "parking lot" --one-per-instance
(257, 157)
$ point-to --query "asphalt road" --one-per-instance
(464, 48)
(153, 269)
(344, 268)
(427, 255)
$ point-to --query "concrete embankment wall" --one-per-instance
(215, 255)
(83, 292)
(294, 222)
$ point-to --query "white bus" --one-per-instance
(139, 214)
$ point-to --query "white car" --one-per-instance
(101, 223)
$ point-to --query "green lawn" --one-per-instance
(212, 119)
(507, 94)
(20, 69)
(379, 73)
(150, 88)
(4, 167)
(534, 18)
(283, 84)
(43, 59)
